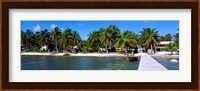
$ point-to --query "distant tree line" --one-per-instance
(109, 38)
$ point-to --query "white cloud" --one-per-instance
(37, 28)
(61, 29)
(52, 26)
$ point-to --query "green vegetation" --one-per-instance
(171, 47)
(107, 40)
(175, 45)
(126, 40)
(149, 38)
(176, 40)
(167, 37)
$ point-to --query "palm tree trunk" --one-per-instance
(106, 48)
(126, 53)
(151, 49)
(56, 47)
(155, 48)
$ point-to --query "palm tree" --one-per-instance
(45, 37)
(168, 37)
(29, 39)
(55, 35)
(22, 36)
(22, 40)
(171, 47)
(94, 40)
(161, 38)
(176, 41)
(67, 39)
(85, 47)
(149, 37)
(93, 37)
(127, 39)
(62, 42)
(115, 32)
(105, 37)
(76, 38)
(38, 39)
(42, 37)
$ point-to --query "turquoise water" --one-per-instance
(77, 63)
(167, 63)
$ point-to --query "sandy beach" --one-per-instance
(94, 54)
(78, 54)
(165, 55)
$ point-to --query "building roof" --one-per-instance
(165, 42)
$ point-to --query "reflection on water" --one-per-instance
(77, 63)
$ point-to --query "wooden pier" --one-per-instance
(147, 63)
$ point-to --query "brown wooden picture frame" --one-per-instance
(99, 85)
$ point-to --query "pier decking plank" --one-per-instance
(147, 63)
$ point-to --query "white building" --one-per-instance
(162, 45)
(43, 48)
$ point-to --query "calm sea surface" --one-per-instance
(170, 65)
(77, 63)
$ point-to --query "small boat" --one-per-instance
(174, 60)
(66, 54)
(133, 58)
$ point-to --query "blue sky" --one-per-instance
(85, 27)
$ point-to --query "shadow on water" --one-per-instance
(77, 63)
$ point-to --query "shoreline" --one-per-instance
(165, 56)
(78, 54)
(93, 54)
